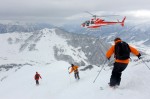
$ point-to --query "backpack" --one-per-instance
(122, 51)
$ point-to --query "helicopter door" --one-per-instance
(92, 22)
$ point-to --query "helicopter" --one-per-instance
(96, 22)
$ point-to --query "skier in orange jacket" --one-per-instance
(76, 72)
(120, 63)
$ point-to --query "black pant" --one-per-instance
(116, 73)
(37, 82)
(76, 75)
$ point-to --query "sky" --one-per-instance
(60, 11)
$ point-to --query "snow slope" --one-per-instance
(56, 83)
(34, 47)
(20, 59)
(48, 45)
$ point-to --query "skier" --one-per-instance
(36, 77)
(76, 72)
(121, 52)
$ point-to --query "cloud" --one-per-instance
(140, 13)
(58, 11)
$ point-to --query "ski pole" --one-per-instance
(69, 75)
(100, 71)
(109, 62)
(146, 64)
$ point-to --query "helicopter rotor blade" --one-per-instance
(99, 15)
(89, 13)
(107, 15)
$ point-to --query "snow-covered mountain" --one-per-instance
(48, 45)
(50, 52)
(22, 27)
(131, 32)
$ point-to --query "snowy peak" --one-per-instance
(55, 44)
(22, 27)
(131, 32)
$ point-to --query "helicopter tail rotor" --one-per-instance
(122, 23)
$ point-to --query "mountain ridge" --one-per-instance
(57, 42)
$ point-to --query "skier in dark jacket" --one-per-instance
(120, 64)
(36, 77)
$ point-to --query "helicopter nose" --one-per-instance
(83, 25)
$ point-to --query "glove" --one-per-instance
(139, 56)
(108, 58)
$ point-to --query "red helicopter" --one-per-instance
(98, 22)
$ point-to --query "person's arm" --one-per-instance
(77, 66)
(40, 76)
(134, 51)
(110, 52)
(71, 71)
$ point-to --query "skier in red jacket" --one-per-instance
(36, 77)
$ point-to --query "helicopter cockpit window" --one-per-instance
(87, 23)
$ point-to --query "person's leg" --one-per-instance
(78, 75)
(75, 75)
(37, 82)
(121, 67)
(113, 79)
(116, 73)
